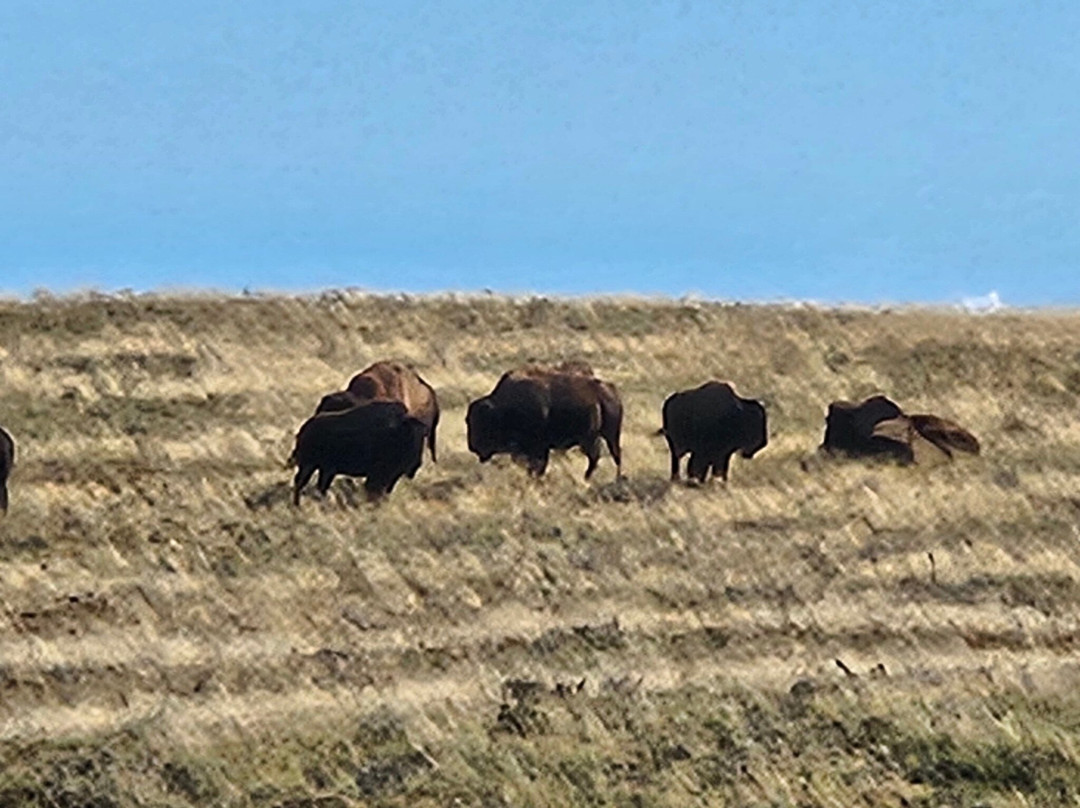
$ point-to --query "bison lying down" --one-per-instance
(533, 410)
(849, 428)
(378, 440)
(711, 422)
(879, 427)
(390, 381)
(7, 460)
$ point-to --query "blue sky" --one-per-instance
(839, 151)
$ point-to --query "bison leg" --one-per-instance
(538, 462)
(721, 464)
(698, 467)
(3, 497)
(611, 438)
(675, 458)
(326, 476)
(387, 479)
(303, 476)
(592, 451)
(611, 415)
(377, 487)
(431, 438)
(415, 467)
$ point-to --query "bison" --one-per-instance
(7, 461)
(849, 428)
(946, 435)
(879, 427)
(534, 409)
(921, 438)
(389, 381)
(712, 422)
(378, 440)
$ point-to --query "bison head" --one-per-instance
(755, 428)
(336, 402)
(482, 428)
(849, 427)
(413, 432)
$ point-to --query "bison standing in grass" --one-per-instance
(390, 381)
(7, 461)
(378, 440)
(712, 422)
(534, 410)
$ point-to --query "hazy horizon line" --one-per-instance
(988, 303)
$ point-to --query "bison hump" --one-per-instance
(364, 387)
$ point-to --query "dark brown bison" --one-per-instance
(534, 409)
(712, 422)
(378, 440)
(849, 428)
(7, 461)
(389, 381)
(879, 427)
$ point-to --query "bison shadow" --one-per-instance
(645, 490)
(276, 494)
(346, 493)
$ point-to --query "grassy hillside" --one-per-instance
(818, 633)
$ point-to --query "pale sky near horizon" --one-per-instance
(835, 151)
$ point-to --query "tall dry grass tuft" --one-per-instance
(814, 633)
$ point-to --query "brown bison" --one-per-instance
(878, 426)
(389, 381)
(712, 422)
(7, 461)
(378, 440)
(926, 437)
(946, 435)
(534, 409)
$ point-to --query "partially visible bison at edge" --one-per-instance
(712, 422)
(535, 409)
(378, 440)
(7, 461)
(878, 427)
(390, 381)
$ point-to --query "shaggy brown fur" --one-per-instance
(534, 409)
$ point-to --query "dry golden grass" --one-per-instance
(174, 633)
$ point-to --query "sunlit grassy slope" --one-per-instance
(174, 633)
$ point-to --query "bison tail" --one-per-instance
(661, 432)
(291, 462)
